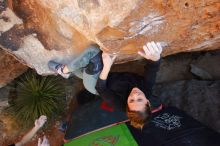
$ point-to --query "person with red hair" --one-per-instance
(129, 91)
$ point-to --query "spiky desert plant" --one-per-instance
(37, 95)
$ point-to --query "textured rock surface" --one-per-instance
(200, 72)
(48, 29)
(10, 68)
(25, 43)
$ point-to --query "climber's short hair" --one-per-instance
(139, 118)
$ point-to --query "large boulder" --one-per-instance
(43, 30)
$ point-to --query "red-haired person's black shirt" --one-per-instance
(116, 88)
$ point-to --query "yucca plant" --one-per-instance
(37, 95)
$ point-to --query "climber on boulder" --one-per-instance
(122, 91)
(129, 91)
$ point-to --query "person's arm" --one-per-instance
(151, 52)
(104, 92)
(101, 85)
(43, 142)
(107, 64)
(27, 137)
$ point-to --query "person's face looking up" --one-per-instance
(137, 100)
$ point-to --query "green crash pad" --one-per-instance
(118, 135)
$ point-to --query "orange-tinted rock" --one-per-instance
(54, 33)
(10, 68)
(35, 47)
(124, 26)
(121, 27)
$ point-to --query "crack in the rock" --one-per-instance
(144, 25)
